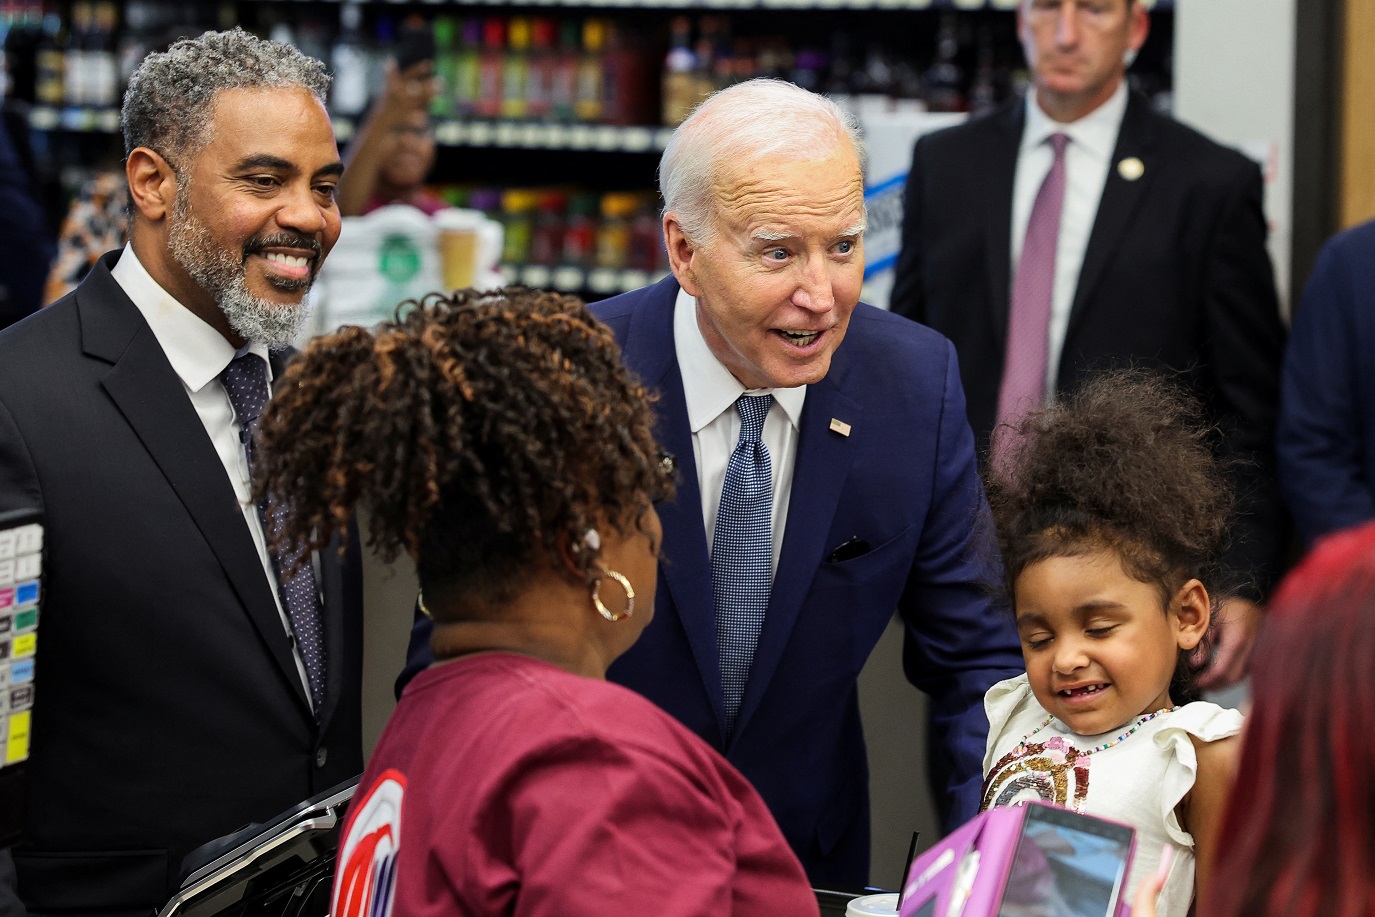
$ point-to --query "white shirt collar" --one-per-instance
(1096, 132)
(198, 353)
(714, 389)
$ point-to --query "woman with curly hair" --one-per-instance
(497, 439)
(1112, 518)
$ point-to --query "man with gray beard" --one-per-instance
(192, 675)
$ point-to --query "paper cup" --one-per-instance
(884, 905)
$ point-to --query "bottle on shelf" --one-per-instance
(349, 62)
(588, 104)
(630, 91)
(944, 79)
(539, 83)
(24, 20)
(613, 235)
(143, 21)
(563, 85)
(515, 69)
(50, 61)
(490, 69)
(75, 81)
(679, 84)
(517, 219)
(983, 91)
(444, 103)
(546, 235)
(647, 237)
(580, 231)
(467, 66)
(102, 64)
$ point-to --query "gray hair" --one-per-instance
(170, 99)
(759, 117)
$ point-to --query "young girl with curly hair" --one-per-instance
(1112, 517)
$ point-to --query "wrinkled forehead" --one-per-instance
(761, 187)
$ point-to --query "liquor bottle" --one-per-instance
(444, 104)
(546, 236)
(515, 69)
(539, 84)
(21, 49)
(101, 63)
(944, 79)
(588, 105)
(76, 89)
(580, 232)
(490, 67)
(983, 92)
(613, 235)
(466, 69)
(349, 61)
(563, 85)
(679, 87)
(51, 59)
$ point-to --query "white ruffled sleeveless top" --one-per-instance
(1139, 781)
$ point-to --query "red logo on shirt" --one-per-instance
(366, 880)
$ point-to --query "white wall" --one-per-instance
(1234, 80)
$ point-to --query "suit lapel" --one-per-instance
(685, 569)
(823, 462)
(1118, 205)
(152, 399)
(1001, 172)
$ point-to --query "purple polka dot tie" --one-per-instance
(245, 380)
(1023, 386)
(742, 552)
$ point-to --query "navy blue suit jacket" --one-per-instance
(1326, 439)
(905, 481)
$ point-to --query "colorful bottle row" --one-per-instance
(562, 227)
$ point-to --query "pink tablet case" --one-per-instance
(984, 847)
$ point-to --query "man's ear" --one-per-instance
(1193, 611)
(681, 252)
(152, 183)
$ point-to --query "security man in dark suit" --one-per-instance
(191, 676)
(1077, 229)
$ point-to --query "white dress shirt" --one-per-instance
(198, 354)
(1088, 157)
(711, 393)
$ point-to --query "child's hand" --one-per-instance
(1143, 904)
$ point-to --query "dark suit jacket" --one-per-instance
(904, 480)
(1176, 276)
(168, 709)
(1326, 439)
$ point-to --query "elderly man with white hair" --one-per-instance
(827, 477)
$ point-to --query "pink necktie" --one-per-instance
(1024, 365)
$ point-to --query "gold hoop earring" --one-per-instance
(420, 599)
(629, 596)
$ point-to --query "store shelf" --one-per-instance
(602, 138)
(744, 4)
(577, 280)
(75, 118)
(516, 134)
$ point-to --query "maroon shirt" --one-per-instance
(506, 785)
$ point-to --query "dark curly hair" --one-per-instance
(477, 430)
(1123, 464)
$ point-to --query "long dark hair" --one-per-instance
(1298, 837)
